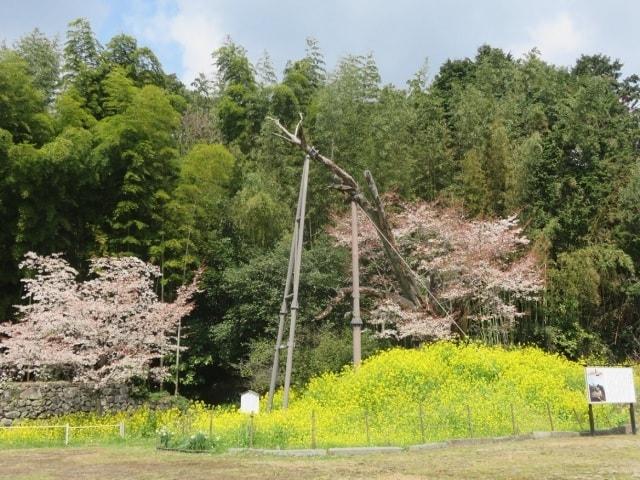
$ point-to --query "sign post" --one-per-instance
(610, 385)
(250, 402)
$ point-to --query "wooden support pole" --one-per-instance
(632, 417)
(296, 284)
(592, 423)
(347, 184)
(356, 320)
(283, 307)
(175, 393)
(251, 430)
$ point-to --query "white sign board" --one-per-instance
(610, 385)
(249, 402)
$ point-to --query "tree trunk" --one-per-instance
(346, 184)
(401, 271)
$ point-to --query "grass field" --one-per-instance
(613, 457)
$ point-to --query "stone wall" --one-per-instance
(47, 399)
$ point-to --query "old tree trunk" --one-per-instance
(374, 210)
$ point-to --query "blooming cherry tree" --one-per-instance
(473, 272)
(109, 328)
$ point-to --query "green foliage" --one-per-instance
(588, 293)
(22, 110)
(43, 59)
(257, 212)
(112, 155)
(194, 213)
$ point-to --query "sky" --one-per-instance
(401, 34)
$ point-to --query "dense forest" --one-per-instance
(103, 153)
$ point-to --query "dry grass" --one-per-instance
(563, 458)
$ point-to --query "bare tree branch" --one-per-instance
(347, 184)
(341, 295)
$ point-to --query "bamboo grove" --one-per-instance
(102, 153)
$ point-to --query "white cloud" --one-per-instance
(194, 26)
(559, 39)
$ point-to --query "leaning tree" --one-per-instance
(474, 270)
(374, 209)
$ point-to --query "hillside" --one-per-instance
(513, 185)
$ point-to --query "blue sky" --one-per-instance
(400, 33)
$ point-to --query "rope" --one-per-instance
(415, 275)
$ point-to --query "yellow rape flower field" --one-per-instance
(398, 397)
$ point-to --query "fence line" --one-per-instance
(68, 428)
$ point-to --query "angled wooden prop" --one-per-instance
(374, 210)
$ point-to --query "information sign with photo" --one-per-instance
(610, 385)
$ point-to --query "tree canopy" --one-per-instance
(102, 154)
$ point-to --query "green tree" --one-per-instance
(22, 105)
(196, 213)
(44, 62)
(139, 146)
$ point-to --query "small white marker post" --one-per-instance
(66, 434)
(250, 403)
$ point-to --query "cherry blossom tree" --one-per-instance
(107, 329)
(478, 274)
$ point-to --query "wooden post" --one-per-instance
(592, 423)
(121, 429)
(162, 301)
(356, 321)
(550, 417)
(422, 435)
(296, 284)
(632, 417)
(513, 421)
(469, 421)
(347, 184)
(283, 306)
(66, 434)
(175, 393)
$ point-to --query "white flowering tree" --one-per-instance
(477, 274)
(109, 328)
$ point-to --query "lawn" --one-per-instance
(562, 458)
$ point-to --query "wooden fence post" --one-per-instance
(550, 417)
(251, 431)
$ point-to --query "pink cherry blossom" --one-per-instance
(108, 328)
(473, 272)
